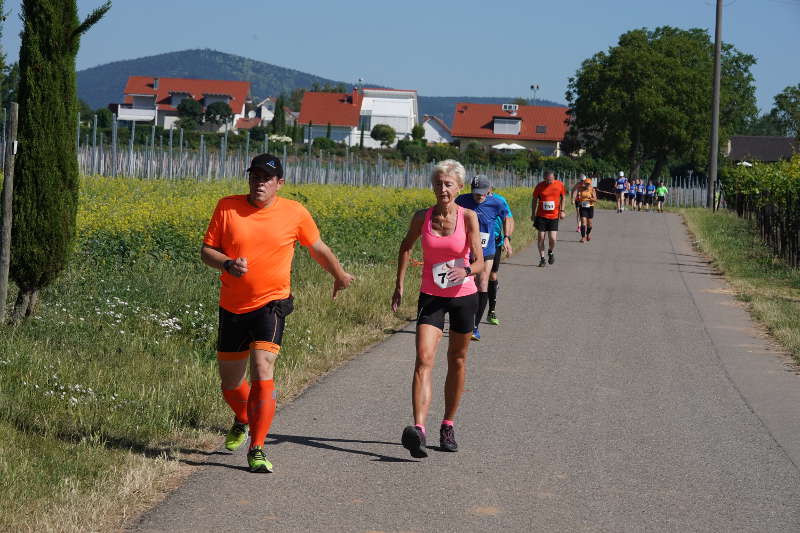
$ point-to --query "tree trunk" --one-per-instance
(661, 162)
(24, 306)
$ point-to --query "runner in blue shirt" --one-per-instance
(503, 228)
(649, 193)
(639, 194)
(620, 186)
(488, 208)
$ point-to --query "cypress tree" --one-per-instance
(46, 171)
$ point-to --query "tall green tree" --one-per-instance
(46, 171)
(648, 99)
(787, 109)
(278, 123)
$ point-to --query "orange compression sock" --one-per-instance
(237, 399)
(261, 409)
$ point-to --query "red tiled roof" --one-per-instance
(336, 109)
(143, 85)
(247, 123)
(436, 119)
(476, 121)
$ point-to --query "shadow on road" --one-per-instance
(324, 443)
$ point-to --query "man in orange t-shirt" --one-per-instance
(547, 207)
(251, 239)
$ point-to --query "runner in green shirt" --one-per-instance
(661, 194)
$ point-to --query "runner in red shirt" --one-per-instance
(547, 207)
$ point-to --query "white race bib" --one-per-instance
(586, 204)
(440, 271)
(549, 205)
(484, 239)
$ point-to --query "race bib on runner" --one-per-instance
(484, 240)
(586, 204)
(549, 205)
(440, 271)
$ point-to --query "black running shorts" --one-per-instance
(587, 212)
(661, 199)
(237, 331)
(431, 310)
(545, 224)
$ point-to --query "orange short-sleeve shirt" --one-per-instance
(549, 195)
(266, 237)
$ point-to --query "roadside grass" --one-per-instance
(769, 287)
(111, 389)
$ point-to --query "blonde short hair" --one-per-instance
(449, 167)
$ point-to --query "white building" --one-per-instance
(347, 115)
(436, 131)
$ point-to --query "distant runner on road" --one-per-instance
(503, 228)
(661, 196)
(649, 193)
(251, 239)
(586, 197)
(573, 196)
(547, 207)
(621, 186)
(488, 208)
(451, 252)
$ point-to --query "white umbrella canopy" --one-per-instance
(515, 146)
(501, 146)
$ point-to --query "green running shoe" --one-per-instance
(236, 436)
(491, 318)
(258, 461)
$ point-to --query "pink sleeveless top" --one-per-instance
(441, 253)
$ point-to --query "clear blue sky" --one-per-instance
(440, 48)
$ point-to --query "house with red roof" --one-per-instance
(152, 99)
(350, 114)
(539, 128)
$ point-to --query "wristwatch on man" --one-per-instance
(468, 269)
(226, 265)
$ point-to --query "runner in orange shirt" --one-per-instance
(547, 207)
(251, 239)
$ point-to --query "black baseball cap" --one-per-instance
(268, 163)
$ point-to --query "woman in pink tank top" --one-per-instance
(451, 250)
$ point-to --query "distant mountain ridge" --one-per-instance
(104, 84)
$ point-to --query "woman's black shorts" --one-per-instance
(661, 199)
(587, 212)
(431, 310)
(237, 331)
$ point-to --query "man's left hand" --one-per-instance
(342, 283)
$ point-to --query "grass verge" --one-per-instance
(769, 287)
(110, 392)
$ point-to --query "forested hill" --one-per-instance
(102, 85)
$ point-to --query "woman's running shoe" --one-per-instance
(447, 438)
(476, 335)
(413, 440)
(491, 318)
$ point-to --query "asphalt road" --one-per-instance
(625, 390)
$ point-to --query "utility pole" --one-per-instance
(534, 88)
(714, 152)
(8, 189)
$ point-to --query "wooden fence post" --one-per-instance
(8, 191)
